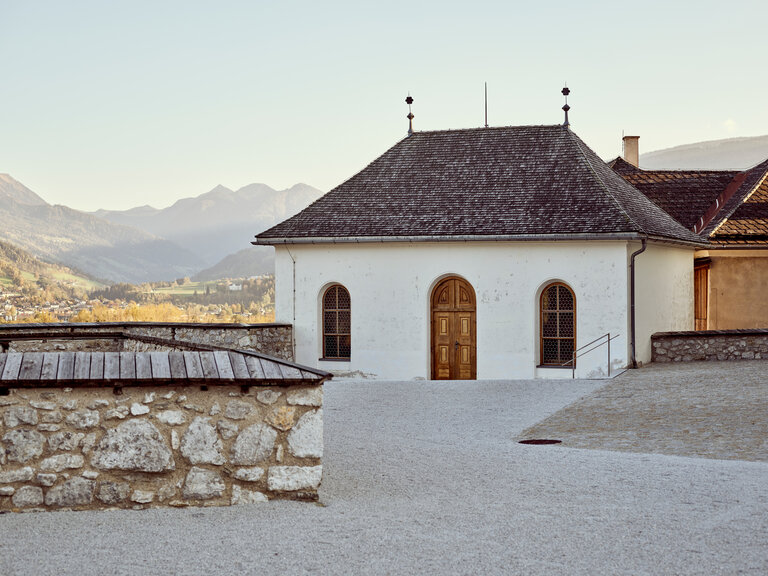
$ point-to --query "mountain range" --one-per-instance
(145, 244)
(727, 154)
(220, 222)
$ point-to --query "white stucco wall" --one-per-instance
(390, 286)
(663, 293)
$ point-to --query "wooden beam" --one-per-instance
(127, 368)
(223, 365)
(112, 366)
(97, 365)
(271, 370)
(209, 365)
(143, 366)
(161, 368)
(66, 366)
(254, 367)
(50, 366)
(31, 366)
(82, 365)
(12, 366)
(239, 367)
(178, 369)
(289, 372)
(193, 364)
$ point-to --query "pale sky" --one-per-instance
(120, 104)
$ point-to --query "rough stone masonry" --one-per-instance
(87, 448)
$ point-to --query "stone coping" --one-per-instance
(66, 325)
(707, 333)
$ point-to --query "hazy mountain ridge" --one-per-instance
(148, 244)
(220, 222)
(253, 261)
(97, 247)
(13, 190)
(725, 154)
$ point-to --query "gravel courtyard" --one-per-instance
(428, 478)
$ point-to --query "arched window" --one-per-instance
(558, 325)
(336, 323)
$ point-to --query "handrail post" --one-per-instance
(573, 366)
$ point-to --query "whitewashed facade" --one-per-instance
(390, 285)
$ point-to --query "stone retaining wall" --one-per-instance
(710, 345)
(87, 448)
(271, 339)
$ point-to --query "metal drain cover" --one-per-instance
(539, 441)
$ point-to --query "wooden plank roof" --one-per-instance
(216, 368)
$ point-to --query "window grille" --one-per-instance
(337, 324)
(558, 325)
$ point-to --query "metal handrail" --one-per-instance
(576, 354)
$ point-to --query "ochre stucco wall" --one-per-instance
(738, 290)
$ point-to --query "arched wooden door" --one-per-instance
(454, 341)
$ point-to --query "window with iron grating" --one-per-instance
(558, 325)
(337, 325)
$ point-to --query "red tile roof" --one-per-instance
(683, 194)
(748, 222)
(728, 207)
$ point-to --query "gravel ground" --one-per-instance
(425, 477)
(703, 409)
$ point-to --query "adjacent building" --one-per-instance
(729, 209)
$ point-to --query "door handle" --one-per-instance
(456, 346)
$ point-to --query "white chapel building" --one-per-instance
(489, 253)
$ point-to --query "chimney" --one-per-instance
(632, 150)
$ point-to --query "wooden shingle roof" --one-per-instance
(498, 183)
(177, 367)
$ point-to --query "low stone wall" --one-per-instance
(87, 448)
(271, 339)
(710, 345)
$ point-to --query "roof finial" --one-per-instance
(565, 92)
(410, 116)
(486, 104)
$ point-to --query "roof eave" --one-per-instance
(625, 236)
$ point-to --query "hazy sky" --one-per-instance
(119, 104)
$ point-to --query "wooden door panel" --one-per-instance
(464, 330)
(453, 331)
(466, 339)
(701, 292)
(443, 342)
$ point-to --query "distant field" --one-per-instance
(86, 283)
(186, 289)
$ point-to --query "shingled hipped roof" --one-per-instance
(511, 182)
